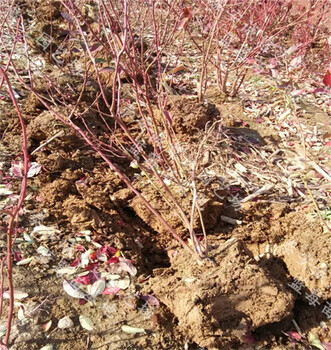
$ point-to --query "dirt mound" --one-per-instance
(306, 252)
(210, 211)
(42, 127)
(302, 247)
(218, 303)
(188, 115)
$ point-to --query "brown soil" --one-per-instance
(214, 305)
(210, 212)
(243, 290)
(219, 302)
(189, 116)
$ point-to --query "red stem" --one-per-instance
(15, 210)
(1, 284)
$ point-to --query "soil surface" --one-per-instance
(266, 279)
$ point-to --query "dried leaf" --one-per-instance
(183, 24)
(111, 291)
(46, 326)
(75, 263)
(313, 340)
(24, 261)
(91, 267)
(67, 270)
(294, 335)
(315, 91)
(121, 223)
(185, 18)
(47, 347)
(101, 256)
(73, 290)
(44, 251)
(65, 322)
(96, 47)
(292, 49)
(106, 69)
(297, 92)
(85, 280)
(85, 257)
(175, 70)
(66, 16)
(109, 251)
(18, 295)
(21, 315)
(250, 61)
(17, 168)
(132, 330)
(82, 44)
(94, 276)
(86, 323)
(274, 73)
(327, 79)
(296, 62)
(127, 266)
(27, 238)
(4, 191)
(272, 63)
(34, 169)
(17, 256)
(113, 260)
(120, 283)
(97, 288)
(240, 168)
(150, 299)
(110, 276)
(41, 229)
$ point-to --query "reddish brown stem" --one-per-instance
(1, 284)
(15, 210)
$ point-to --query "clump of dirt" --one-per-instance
(303, 248)
(32, 105)
(218, 302)
(210, 212)
(80, 214)
(188, 115)
(52, 194)
(10, 131)
(43, 126)
(306, 252)
(82, 198)
(264, 221)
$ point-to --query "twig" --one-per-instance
(230, 220)
(297, 327)
(321, 171)
(260, 191)
(59, 134)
